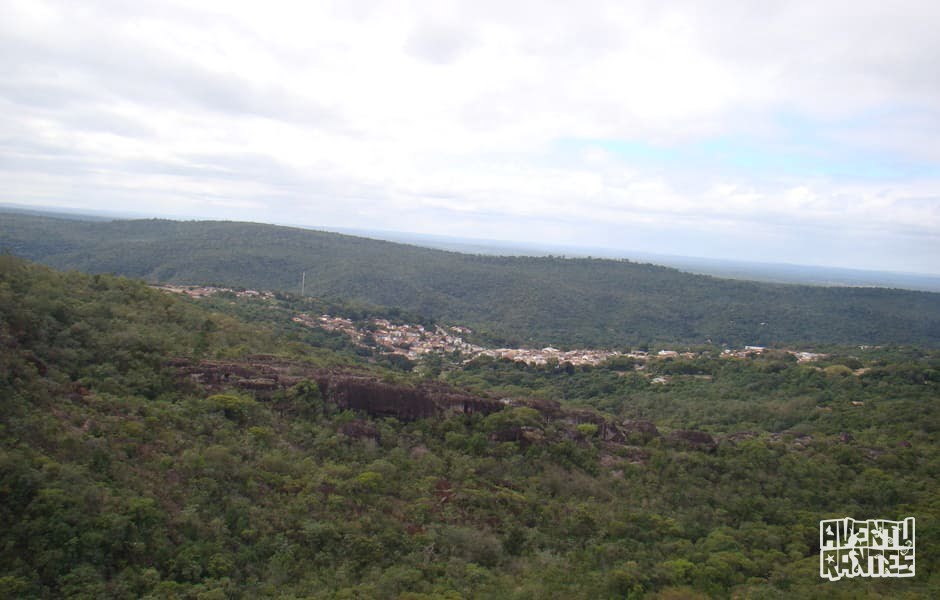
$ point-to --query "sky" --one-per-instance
(797, 132)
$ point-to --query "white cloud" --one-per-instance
(436, 115)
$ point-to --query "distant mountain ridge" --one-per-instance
(717, 267)
(521, 300)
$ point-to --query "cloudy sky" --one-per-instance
(802, 132)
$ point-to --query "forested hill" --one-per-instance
(518, 300)
(156, 446)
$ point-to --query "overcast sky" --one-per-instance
(802, 132)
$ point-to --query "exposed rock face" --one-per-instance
(637, 456)
(579, 416)
(549, 408)
(360, 430)
(642, 431)
(692, 440)
(258, 384)
(611, 432)
(510, 434)
(374, 397)
(802, 441)
(217, 374)
(741, 436)
(407, 403)
(526, 436)
(265, 375)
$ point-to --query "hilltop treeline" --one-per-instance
(519, 301)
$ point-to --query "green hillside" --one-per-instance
(150, 448)
(516, 300)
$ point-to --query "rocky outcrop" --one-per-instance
(360, 430)
(258, 384)
(741, 436)
(549, 409)
(611, 432)
(265, 375)
(640, 431)
(380, 398)
(525, 436)
(375, 397)
(509, 434)
(692, 440)
(580, 416)
(216, 375)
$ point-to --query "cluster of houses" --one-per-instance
(754, 350)
(408, 340)
(413, 341)
(203, 291)
(549, 354)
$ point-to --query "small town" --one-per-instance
(204, 291)
(413, 341)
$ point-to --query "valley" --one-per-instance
(235, 441)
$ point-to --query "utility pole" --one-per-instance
(303, 282)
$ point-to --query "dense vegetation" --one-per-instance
(119, 479)
(521, 301)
